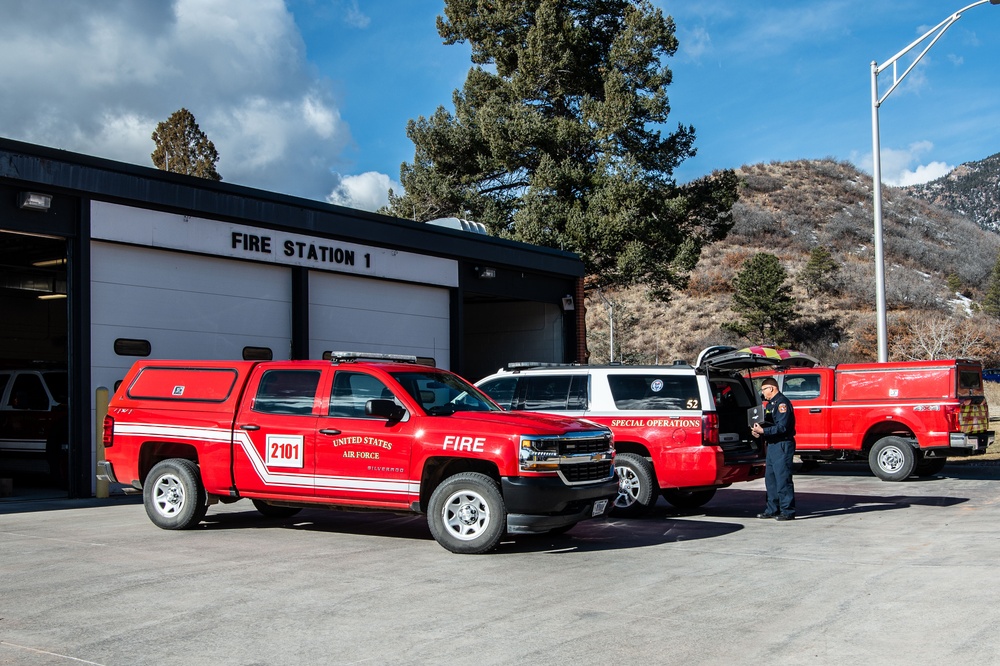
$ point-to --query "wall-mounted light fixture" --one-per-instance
(567, 303)
(485, 272)
(34, 201)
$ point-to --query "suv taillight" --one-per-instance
(710, 429)
(109, 431)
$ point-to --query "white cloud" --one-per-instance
(902, 167)
(695, 43)
(922, 174)
(367, 191)
(96, 78)
(354, 17)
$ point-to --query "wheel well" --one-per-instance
(632, 447)
(151, 453)
(887, 429)
(437, 470)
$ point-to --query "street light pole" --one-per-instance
(937, 31)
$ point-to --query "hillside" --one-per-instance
(937, 265)
(972, 189)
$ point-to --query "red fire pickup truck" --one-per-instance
(356, 432)
(905, 418)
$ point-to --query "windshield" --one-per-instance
(442, 393)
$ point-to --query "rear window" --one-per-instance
(970, 380)
(287, 392)
(183, 384)
(655, 392)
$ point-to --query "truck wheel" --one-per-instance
(892, 459)
(636, 485)
(271, 511)
(466, 513)
(688, 499)
(173, 495)
(930, 467)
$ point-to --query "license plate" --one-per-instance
(599, 507)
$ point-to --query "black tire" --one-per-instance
(637, 489)
(466, 513)
(688, 499)
(272, 511)
(892, 459)
(173, 495)
(930, 467)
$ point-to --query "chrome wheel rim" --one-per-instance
(890, 459)
(466, 515)
(168, 495)
(628, 487)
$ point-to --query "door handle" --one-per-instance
(249, 426)
(815, 410)
(329, 431)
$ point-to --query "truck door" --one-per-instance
(363, 459)
(809, 394)
(275, 433)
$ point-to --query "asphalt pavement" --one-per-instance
(870, 573)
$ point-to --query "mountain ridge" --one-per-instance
(938, 262)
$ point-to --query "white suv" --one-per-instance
(681, 431)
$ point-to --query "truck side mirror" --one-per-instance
(386, 409)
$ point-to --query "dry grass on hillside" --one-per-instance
(787, 209)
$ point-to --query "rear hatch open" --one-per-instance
(736, 404)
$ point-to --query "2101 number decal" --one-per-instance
(284, 451)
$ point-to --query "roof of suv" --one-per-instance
(719, 357)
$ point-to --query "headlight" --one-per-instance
(540, 445)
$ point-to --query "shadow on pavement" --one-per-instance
(735, 503)
(588, 536)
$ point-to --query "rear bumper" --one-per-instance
(541, 504)
(966, 444)
(105, 471)
(961, 445)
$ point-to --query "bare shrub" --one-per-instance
(752, 222)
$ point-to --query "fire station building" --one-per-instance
(103, 262)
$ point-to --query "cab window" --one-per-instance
(801, 387)
(286, 392)
(554, 393)
(653, 392)
(352, 391)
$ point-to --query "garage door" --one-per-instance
(186, 306)
(361, 314)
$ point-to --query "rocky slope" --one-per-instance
(938, 264)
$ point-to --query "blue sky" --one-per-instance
(311, 97)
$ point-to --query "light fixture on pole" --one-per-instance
(934, 34)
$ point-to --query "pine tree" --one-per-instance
(181, 147)
(820, 272)
(557, 138)
(991, 301)
(762, 300)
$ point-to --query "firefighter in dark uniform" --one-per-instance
(778, 431)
